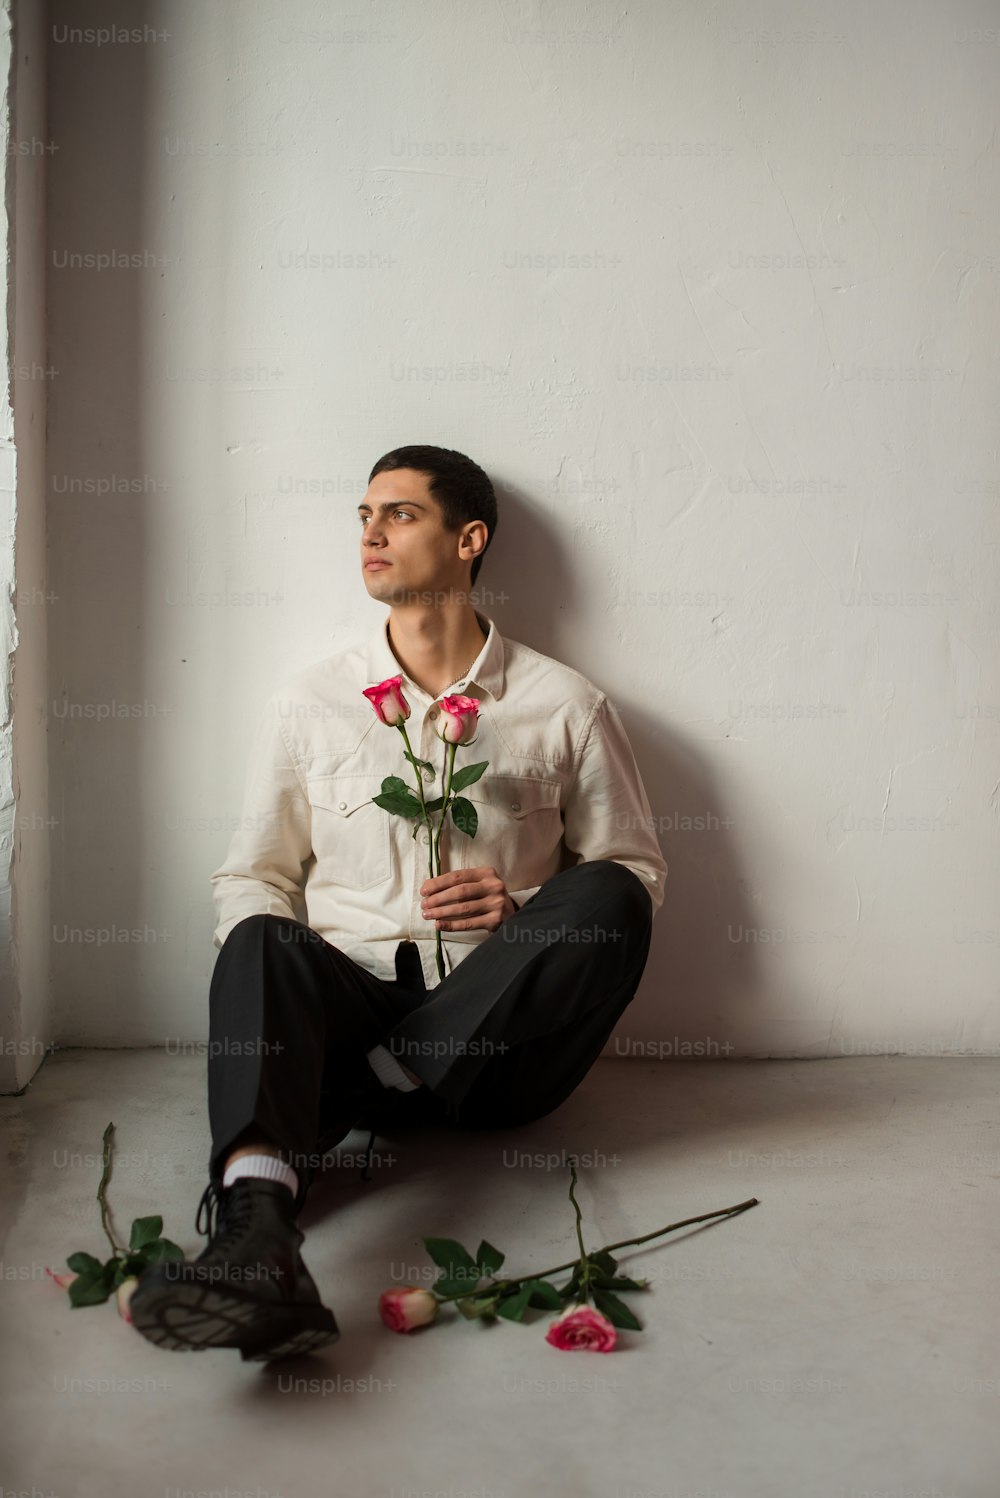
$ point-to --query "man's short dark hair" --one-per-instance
(459, 485)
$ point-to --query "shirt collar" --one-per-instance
(486, 674)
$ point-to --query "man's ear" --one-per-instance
(476, 537)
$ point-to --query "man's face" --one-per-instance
(401, 526)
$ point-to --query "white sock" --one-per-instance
(388, 1070)
(264, 1167)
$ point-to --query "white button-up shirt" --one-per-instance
(561, 787)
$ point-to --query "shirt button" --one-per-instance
(515, 806)
(343, 805)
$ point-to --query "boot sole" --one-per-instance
(191, 1318)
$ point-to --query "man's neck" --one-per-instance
(435, 646)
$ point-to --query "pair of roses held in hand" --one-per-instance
(464, 899)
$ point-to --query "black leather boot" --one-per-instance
(248, 1289)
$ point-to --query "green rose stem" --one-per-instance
(433, 851)
(446, 779)
(622, 1243)
(584, 1261)
(401, 725)
(119, 1253)
(446, 782)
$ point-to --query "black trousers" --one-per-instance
(503, 1039)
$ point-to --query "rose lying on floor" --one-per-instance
(581, 1329)
(577, 1328)
(405, 1309)
(589, 1310)
(92, 1282)
(122, 1295)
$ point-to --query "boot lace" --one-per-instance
(224, 1210)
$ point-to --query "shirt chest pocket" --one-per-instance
(519, 820)
(350, 834)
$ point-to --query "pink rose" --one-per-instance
(458, 720)
(581, 1329)
(124, 1295)
(405, 1309)
(388, 701)
(62, 1280)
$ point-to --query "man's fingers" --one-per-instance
(448, 899)
(469, 915)
(464, 899)
(446, 883)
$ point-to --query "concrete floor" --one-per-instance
(840, 1340)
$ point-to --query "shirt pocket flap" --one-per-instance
(350, 834)
(517, 795)
(339, 794)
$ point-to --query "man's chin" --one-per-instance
(382, 587)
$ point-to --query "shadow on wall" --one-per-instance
(697, 983)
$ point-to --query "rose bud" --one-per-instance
(62, 1280)
(581, 1329)
(404, 1309)
(388, 701)
(458, 720)
(124, 1295)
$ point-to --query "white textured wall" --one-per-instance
(712, 293)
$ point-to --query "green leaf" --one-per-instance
(482, 1305)
(398, 804)
(603, 1261)
(456, 1284)
(467, 775)
(616, 1310)
(448, 1255)
(163, 1248)
(544, 1294)
(435, 805)
(617, 1282)
(394, 783)
(145, 1230)
(84, 1264)
(93, 1289)
(512, 1307)
(420, 764)
(489, 1258)
(464, 816)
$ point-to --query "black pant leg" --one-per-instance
(516, 1026)
(291, 1017)
(503, 1039)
